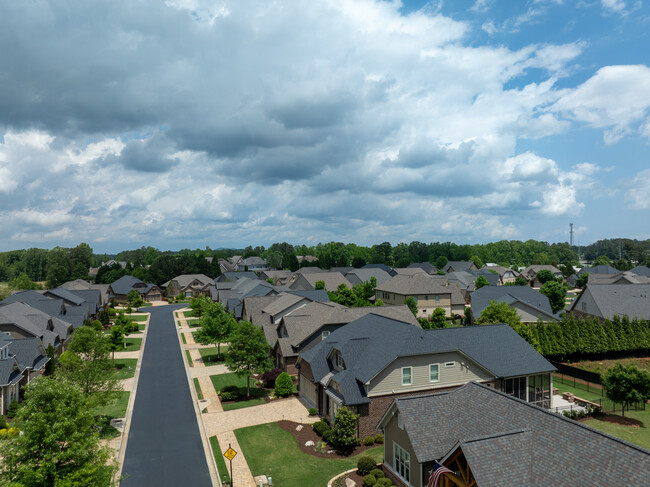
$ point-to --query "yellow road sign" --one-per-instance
(230, 454)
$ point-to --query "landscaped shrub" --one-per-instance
(383, 483)
(365, 464)
(283, 385)
(369, 480)
(320, 427)
(326, 421)
(13, 432)
(379, 438)
(313, 412)
(368, 440)
(269, 377)
(327, 435)
(3, 423)
(344, 432)
(229, 393)
(3, 433)
(13, 409)
(112, 312)
(378, 473)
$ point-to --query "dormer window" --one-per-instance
(339, 361)
(324, 335)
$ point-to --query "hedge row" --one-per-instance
(585, 337)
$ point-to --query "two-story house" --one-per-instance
(430, 292)
(529, 303)
(530, 273)
(604, 301)
(367, 363)
(188, 285)
(119, 289)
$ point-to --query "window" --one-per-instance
(402, 462)
(339, 361)
(516, 387)
(437, 298)
(434, 375)
(324, 335)
(406, 376)
(450, 364)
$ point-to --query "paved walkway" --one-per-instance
(165, 446)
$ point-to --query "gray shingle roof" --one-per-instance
(494, 429)
(332, 280)
(599, 269)
(359, 276)
(126, 283)
(35, 322)
(458, 265)
(619, 299)
(641, 270)
(185, 280)
(511, 294)
(369, 344)
(9, 371)
(422, 283)
(66, 295)
(28, 353)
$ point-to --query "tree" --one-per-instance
(519, 281)
(49, 366)
(438, 318)
(274, 260)
(319, 285)
(86, 363)
(545, 276)
(134, 299)
(480, 282)
(412, 305)
(58, 267)
(477, 261)
(626, 385)
(441, 262)
(358, 262)
(22, 283)
(582, 280)
(283, 385)
(116, 338)
(343, 435)
(602, 260)
(556, 293)
(59, 444)
(216, 326)
(499, 312)
(248, 353)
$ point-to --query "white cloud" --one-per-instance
(616, 6)
(637, 189)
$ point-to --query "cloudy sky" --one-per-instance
(186, 123)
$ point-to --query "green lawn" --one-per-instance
(188, 314)
(639, 435)
(117, 409)
(224, 473)
(601, 366)
(183, 338)
(193, 323)
(189, 358)
(197, 386)
(122, 365)
(138, 318)
(106, 430)
(210, 354)
(274, 452)
(222, 380)
(132, 344)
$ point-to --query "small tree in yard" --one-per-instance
(438, 318)
(319, 285)
(216, 326)
(248, 353)
(480, 282)
(556, 294)
(582, 280)
(545, 276)
(500, 312)
(134, 299)
(412, 305)
(116, 338)
(626, 385)
(343, 436)
(283, 385)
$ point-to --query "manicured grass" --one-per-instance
(601, 366)
(224, 473)
(183, 338)
(188, 314)
(106, 431)
(189, 358)
(274, 452)
(193, 323)
(132, 344)
(116, 409)
(639, 435)
(138, 318)
(210, 354)
(257, 395)
(197, 386)
(580, 390)
(123, 364)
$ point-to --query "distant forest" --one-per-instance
(59, 264)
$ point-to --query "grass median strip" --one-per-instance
(125, 367)
(138, 318)
(223, 472)
(197, 386)
(189, 358)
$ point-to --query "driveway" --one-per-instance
(164, 446)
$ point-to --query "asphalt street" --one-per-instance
(164, 445)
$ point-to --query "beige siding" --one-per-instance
(587, 304)
(528, 314)
(394, 434)
(389, 381)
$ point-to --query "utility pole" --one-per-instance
(571, 234)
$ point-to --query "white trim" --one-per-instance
(438, 373)
(395, 444)
(410, 383)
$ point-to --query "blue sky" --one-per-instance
(188, 123)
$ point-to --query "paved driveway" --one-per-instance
(164, 446)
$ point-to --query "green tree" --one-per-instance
(477, 261)
(545, 276)
(49, 366)
(22, 283)
(58, 267)
(87, 364)
(216, 326)
(441, 262)
(438, 318)
(319, 285)
(274, 260)
(283, 385)
(248, 353)
(626, 385)
(602, 260)
(116, 339)
(480, 282)
(499, 312)
(412, 305)
(556, 294)
(59, 444)
(343, 435)
(134, 299)
(582, 280)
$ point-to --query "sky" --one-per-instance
(194, 123)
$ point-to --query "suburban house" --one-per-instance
(455, 266)
(487, 438)
(119, 289)
(641, 270)
(466, 281)
(626, 277)
(233, 296)
(308, 259)
(530, 273)
(252, 264)
(23, 321)
(277, 306)
(278, 278)
(427, 267)
(226, 266)
(506, 275)
(383, 267)
(371, 361)
(601, 270)
(604, 301)
(75, 314)
(79, 287)
(430, 292)
(308, 281)
(235, 276)
(361, 276)
(188, 285)
(408, 271)
(529, 303)
(308, 326)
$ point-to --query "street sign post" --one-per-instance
(230, 454)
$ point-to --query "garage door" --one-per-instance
(308, 391)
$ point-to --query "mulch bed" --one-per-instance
(307, 433)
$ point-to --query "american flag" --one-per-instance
(436, 473)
